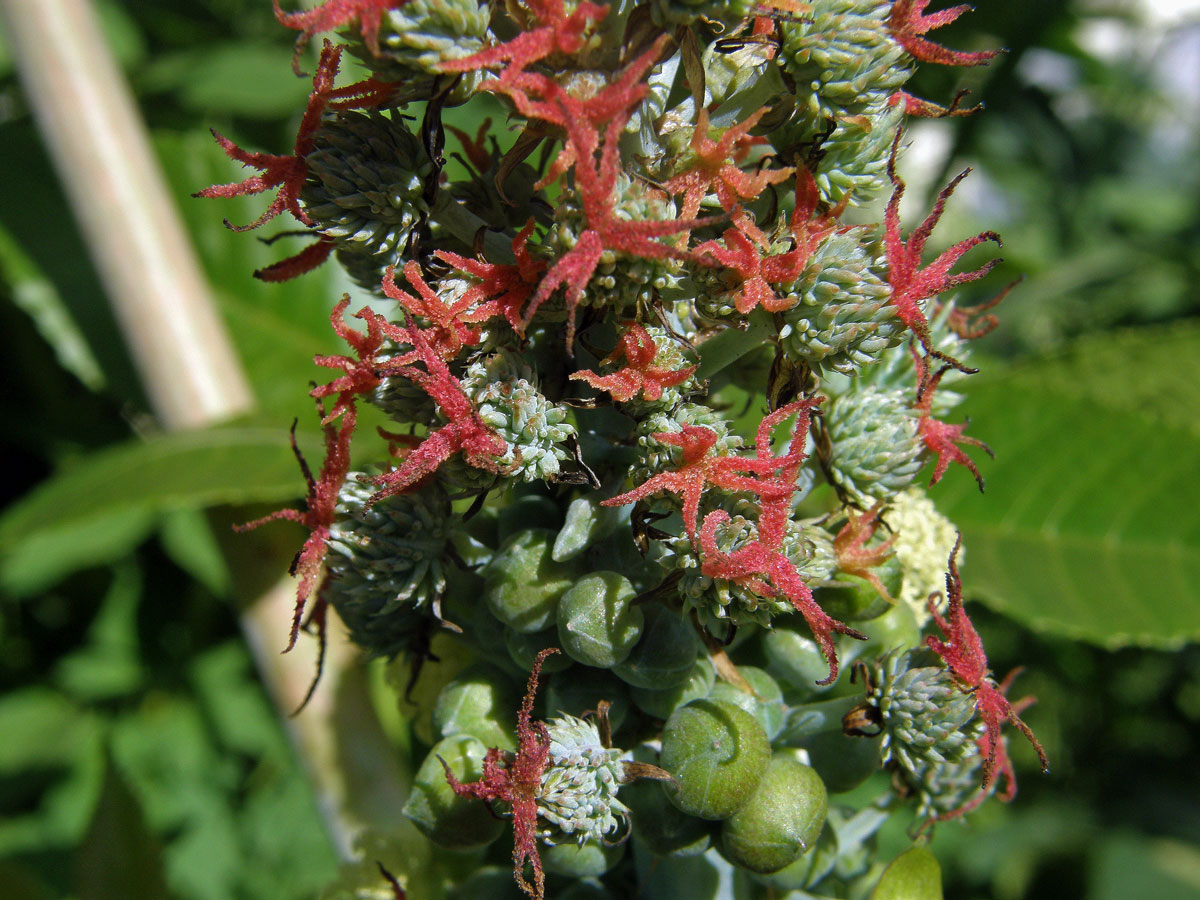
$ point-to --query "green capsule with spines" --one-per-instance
(523, 583)
(718, 752)
(660, 704)
(875, 446)
(416, 37)
(366, 182)
(597, 626)
(453, 822)
(765, 702)
(479, 702)
(664, 655)
(780, 822)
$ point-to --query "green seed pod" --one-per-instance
(913, 875)
(657, 823)
(578, 795)
(419, 35)
(485, 883)
(875, 448)
(780, 822)
(765, 704)
(478, 702)
(386, 564)
(589, 860)
(894, 629)
(453, 822)
(535, 430)
(524, 648)
(366, 182)
(596, 624)
(666, 653)
(844, 762)
(586, 522)
(841, 318)
(854, 599)
(523, 584)
(581, 690)
(661, 704)
(718, 752)
(795, 660)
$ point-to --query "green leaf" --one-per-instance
(39, 299)
(239, 79)
(108, 666)
(118, 832)
(188, 539)
(913, 875)
(108, 501)
(1090, 526)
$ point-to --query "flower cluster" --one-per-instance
(621, 357)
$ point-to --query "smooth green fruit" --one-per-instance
(453, 822)
(854, 599)
(780, 822)
(596, 624)
(765, 704)
(845, 761)
(524, 648)
(523, 584)
(658, 823)
(529, 511)
(581, 690)
(586, 860)
(795, 660)
(478, 702)
(665, 654)
(661, 704)
(913, 875)
(718, 752)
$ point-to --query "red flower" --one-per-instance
(962, 651)
(757, 272)
(558, 33)
(910, 283)
(770, 478)
(639, 373)
(450, 333)
(515, 780)
(766, 571)
(464, 432)
(941, 438)
(853, 555)
(337, 14)
(712, 169)
(502, 289)
(908, 25)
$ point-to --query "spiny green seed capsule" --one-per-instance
(366, 182)
(578, 795)
(386, 563)
(925, 712)
(418, 35)
(875, 449)
(453, 822)
(523, 584)
(535, 430)
(780, 822)
(596, 624)
(718, 752)
(719, 602)
(840, 319)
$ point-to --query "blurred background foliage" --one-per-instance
(140, 757)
